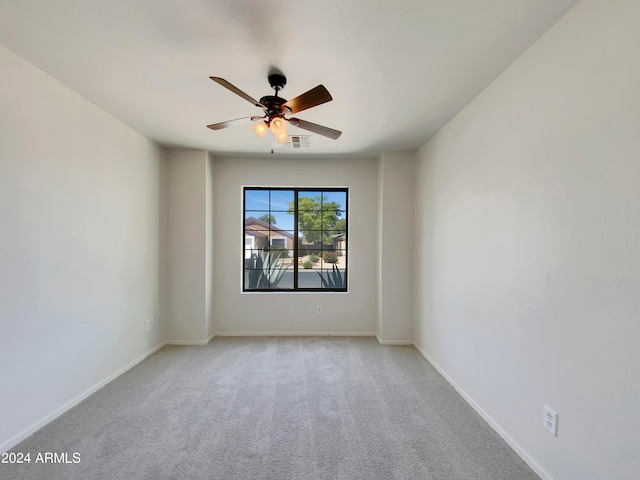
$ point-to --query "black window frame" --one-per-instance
(296, 267)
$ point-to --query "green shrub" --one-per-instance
(284, 252)
(266, 269)
(314, 258)
(334, 279)
(307, 264)
(330, 257)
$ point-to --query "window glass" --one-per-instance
(295, 239)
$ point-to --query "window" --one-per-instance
(277, 242)
(295, 239)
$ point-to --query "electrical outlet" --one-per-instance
(319, 310)
(147, 324)
(550, 421)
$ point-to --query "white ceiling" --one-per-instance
(397, 70)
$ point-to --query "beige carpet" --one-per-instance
(322, 408)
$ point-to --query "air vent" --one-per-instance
(298, 141)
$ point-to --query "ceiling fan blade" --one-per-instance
(315, 96)
(237, 91)
(315, 128)
(233, 123)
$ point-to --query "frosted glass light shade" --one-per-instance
(260, 128)
(278, 126)
(282, 138)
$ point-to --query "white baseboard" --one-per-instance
(15, 440)
(393, 342)
(190, 342)
(535, 466)
(295, 334)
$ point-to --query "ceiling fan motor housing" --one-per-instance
(274, 102)
(274, 105)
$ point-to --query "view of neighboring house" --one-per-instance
(259, 235)
(340, 243)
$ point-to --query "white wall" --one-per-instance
(209, 247)
(79, 221)
(187, 238)
(163, 246)
(527, 228)
(353, 312)
(395, 244)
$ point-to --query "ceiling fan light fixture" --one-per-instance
(278, 126)
(282, 138)
(260, 128)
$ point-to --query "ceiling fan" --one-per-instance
(275, 108)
